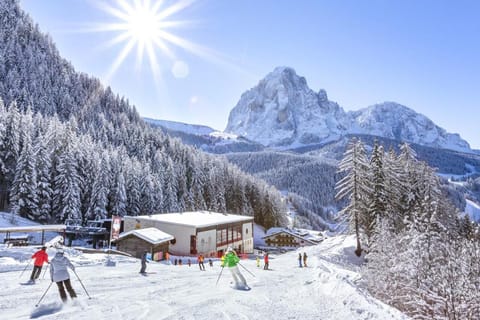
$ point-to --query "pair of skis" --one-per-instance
(241, 265)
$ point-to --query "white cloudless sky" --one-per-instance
(422, 54)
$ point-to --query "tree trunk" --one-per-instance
(358, 251)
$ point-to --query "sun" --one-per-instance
(143, 26)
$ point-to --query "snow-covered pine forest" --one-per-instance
(70, 148)
(422, 257)
(309, 182)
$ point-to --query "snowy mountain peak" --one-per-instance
(282, 111)
(395, 121)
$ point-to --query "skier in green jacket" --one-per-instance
(230, 260)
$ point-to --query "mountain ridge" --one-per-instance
(281, 111)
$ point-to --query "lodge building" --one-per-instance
(290, 238)
(199, 232)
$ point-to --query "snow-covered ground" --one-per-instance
(324, 290)
(473, 210)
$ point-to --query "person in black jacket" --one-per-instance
(144, 262)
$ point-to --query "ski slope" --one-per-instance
(326, 289)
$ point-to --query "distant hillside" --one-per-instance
(205, 138)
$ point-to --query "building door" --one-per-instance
(193, 244)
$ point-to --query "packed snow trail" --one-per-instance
(324, 290)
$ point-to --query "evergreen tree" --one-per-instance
(118, 194)
(378, 198)
(23, 195)
(67, 184)
(354, 187)
(169, 188)
(11, 150)
(99, 200)
(133, 174)
(44, 186)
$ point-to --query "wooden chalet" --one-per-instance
(137, 241)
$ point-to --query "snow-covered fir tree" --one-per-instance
(356, 188)
(424, 263)
(23, 194)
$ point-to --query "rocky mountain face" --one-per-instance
(394, 121)
(283, 112)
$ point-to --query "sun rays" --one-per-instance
(143, 26)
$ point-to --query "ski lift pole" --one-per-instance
(219, 275)
(241, 265)
(21, 274)
(44, 294)
(82, 284)
(110, 239)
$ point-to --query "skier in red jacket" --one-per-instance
(40, 257)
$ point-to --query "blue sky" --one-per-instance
(423, 54)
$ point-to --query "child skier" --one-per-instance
(305, 259)
(230, 260)
(40, 257)
(300, 259)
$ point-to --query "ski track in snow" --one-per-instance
(324, 290)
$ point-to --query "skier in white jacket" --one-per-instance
(59, 274)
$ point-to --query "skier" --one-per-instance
(258, 262)
(300, 259)
(200, 262)
(40, 257)
(265, 261)
(143, 269)
(305, 259)
(59, 274)
(210, 262)
(230, 260)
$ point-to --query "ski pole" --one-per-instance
(45, 271)
(219, 275)
(44, 294)
(82, 284)
(21, 274)
(241, 265)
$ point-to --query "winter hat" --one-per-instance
(44, 248)
(229, 249)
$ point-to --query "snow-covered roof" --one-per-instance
(151, 235)
(197, 219)
(307, 235)
(48, 227)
